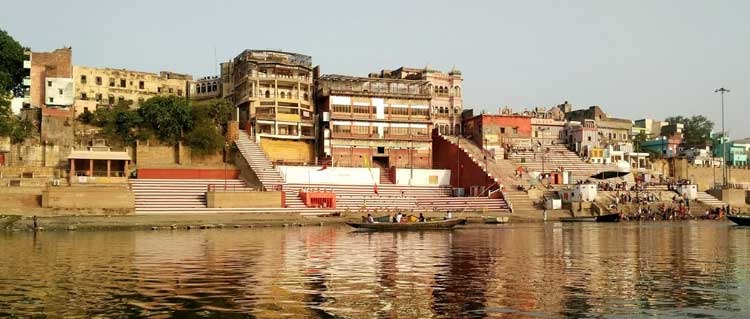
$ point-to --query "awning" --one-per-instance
(92, 155)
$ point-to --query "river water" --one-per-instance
(669, 269)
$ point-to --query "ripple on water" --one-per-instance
(652, 269)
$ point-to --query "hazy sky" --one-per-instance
(637, 59)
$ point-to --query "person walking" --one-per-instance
(545, 215)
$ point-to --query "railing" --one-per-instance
(229, 188)
(100, 173)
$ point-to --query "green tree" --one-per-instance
(204, 139)
(218, 111)
(11, 63)
(638, 140)
(167, 117)
(119, 123)
(697, 131)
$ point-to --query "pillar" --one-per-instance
(72, 170)
(109, 167)
(91, 167)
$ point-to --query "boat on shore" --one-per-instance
(495, 220)
(742, 220)
(609, 218)
(440, 224)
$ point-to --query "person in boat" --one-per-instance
(448, 215)
(398, 217)
(421, 218)
(394, 219)
(370, 219)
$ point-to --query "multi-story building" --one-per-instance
(105, 86)
(496, 133)
(50, 79)
(582, 137)
(272, 91)
(649, 127)
(610, 129)
(375, 121)
(209, 87)
(445, 89)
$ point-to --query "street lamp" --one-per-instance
(226, 149)
(721, 91)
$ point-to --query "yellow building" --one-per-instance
(104, 86)
(272, 91)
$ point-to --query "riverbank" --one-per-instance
(186, 221)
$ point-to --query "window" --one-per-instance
(49, 83)
(361, 109)
(158, 90)
(83, 96)
(589, 138)
(179, 92)
(98, 97)
(282, 95)
(214, 87)
(515, 131)
(111, 82)
(502, 130)
(398, 131)
(362, 130)
(141, 85)
(51, 100)
(83, 79)
(111, 99)
(399, 111)
(341, 109)
(59, 91)
(123, 83)
(121, 99)
(305, 96)
(171, 90)
(419, 112)
(268, 94)
(98, 80)
(344, 129)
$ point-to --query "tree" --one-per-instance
(204, 139)
(218, 111)
(11, 64)
(118, 123)
(167, 117)
(697, 131)
(638, 140)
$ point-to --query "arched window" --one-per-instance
(305, 96)
(214, 87)
(457, 91)
(282, 95)
(268, 94)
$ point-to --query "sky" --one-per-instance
(636, 59)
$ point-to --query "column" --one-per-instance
(72, 170)
(91, 167)
(109, 167)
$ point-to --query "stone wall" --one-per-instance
(28, 154)
(118, 199)
(704, 176)
(221, 199)
(155, 154)
(288, 150)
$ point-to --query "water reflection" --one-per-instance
(691, 269)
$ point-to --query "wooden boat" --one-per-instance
(609, 218)
(440, 224)
(742, 220)
(495, 220)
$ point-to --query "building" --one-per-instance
(499, 132)
(583, 138)
(667, 147)
(272, 91)
(376, 121)
(736, 153)
(96, 87)
(610, 129)
(649, 127)
(446, 103)
(50, 73)
(209, 87)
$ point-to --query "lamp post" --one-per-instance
(226, 148)
(721, 91)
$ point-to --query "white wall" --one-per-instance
(330, 175)
(421, 177)
(52, 90)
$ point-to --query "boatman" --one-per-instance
(370, 219)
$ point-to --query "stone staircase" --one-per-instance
(269, 177)
(559, 156)
(708, 200)
(171, 195)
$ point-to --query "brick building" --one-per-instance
(498, 132)
(375, 121)
(446, 103)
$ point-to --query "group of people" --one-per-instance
(661, 212)
(399, 218)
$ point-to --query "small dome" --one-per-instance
(454, 71)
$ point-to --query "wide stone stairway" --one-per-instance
(558, 156)
(177, 195)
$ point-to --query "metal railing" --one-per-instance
(99, 173)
